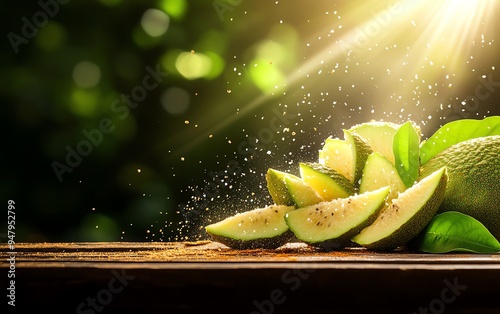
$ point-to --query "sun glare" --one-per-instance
(415, 42)
(421, 50)
(434, 35)
(448, 29)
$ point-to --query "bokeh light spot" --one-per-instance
(174, 8)
(168, 59)
(175, 100)
(51, 37)
(193, 65)
(212, 40)
(272, 51)
(99, 227)
(83, 102)
(155, 22)
(143, 40)
(217, 65)
(86, 74)
(267, 76)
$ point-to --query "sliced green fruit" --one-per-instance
(258, 228)
(302, 194)
(331, 225)
(347, 157)
(379, 135)
(406, 216)
(360, 152)
(328, 183)
(277, 189)
(337, 154)
(379, 172)
(474, 179)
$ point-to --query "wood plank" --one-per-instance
(194, 277)
(212, 252)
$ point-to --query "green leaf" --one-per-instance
(406, 145)
(456, 132)
(454, 231)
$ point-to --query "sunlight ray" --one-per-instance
(439, 33)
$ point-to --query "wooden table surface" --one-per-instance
(191, 277)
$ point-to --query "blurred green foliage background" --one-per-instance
(143, 120)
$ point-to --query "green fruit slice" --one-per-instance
(474, 179)
(337, 154)
(360, 152)
(258, 228)
(379, 172)
(328, 183)
(378, 135)
(331, 225)
(406, 216)
(277, 189)
(302, 194)
(347, 157)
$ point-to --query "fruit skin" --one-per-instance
(414, 225)
(361, 151)
(309, 224)
(262, 243)
(328, 183)
(346, 157)
(458, 131)
(277, 188)
(474, 179)
(228, 231)
(379, 135)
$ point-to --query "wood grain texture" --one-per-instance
(194, 277)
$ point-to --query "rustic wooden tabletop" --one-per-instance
(191, 277)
